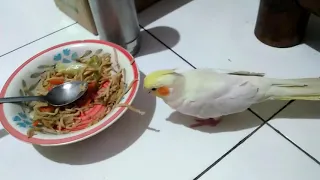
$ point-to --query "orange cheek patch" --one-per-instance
(163, 91)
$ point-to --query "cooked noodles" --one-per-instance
(106, 87)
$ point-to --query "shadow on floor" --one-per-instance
(150, 46)
(165, 7)
(267, 109)
(110, 142)
(312, 38)
(3, 133)
(230, 123)
(301, 110)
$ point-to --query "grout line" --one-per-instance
(256, 115)
(249, 135)
(280, 110)
(228, 152)
(277, 131)
(167, 47)
(37, 39)
(196, 68)
(305, 152)
(235, 146)
(273, 114)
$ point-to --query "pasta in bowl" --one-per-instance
(113, 81)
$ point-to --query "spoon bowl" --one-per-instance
(60, 95)
(66, 93)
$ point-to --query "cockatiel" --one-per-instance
(208, 94)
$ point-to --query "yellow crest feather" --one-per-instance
(151, 79)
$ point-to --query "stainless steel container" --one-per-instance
(117, 22)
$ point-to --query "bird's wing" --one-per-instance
(226, 71)
(210, 95)
(241, 73)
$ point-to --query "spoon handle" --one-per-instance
(21, 99)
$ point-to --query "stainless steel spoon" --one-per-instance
(60, 95)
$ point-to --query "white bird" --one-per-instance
(208, 94)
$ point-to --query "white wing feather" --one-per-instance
(209, 94)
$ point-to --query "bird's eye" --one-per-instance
(153, 89)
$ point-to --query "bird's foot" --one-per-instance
(206, 122)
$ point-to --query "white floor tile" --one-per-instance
(300, 122)
(264, 156)
(220, 34)
(126, 150)
(16, 58)
(25, 21)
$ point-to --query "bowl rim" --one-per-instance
(4, 121)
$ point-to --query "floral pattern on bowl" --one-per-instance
(22, 120)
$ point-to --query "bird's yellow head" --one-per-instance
(159, 82)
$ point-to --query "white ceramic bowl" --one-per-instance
(17, 122)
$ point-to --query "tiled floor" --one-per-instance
(26, 22)
(199, 33)
(264, 156)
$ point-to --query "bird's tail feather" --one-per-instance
(295, 89)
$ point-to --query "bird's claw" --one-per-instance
(205, 122)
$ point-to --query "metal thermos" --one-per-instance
(117, 22)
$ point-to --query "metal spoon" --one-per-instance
(60, 95)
